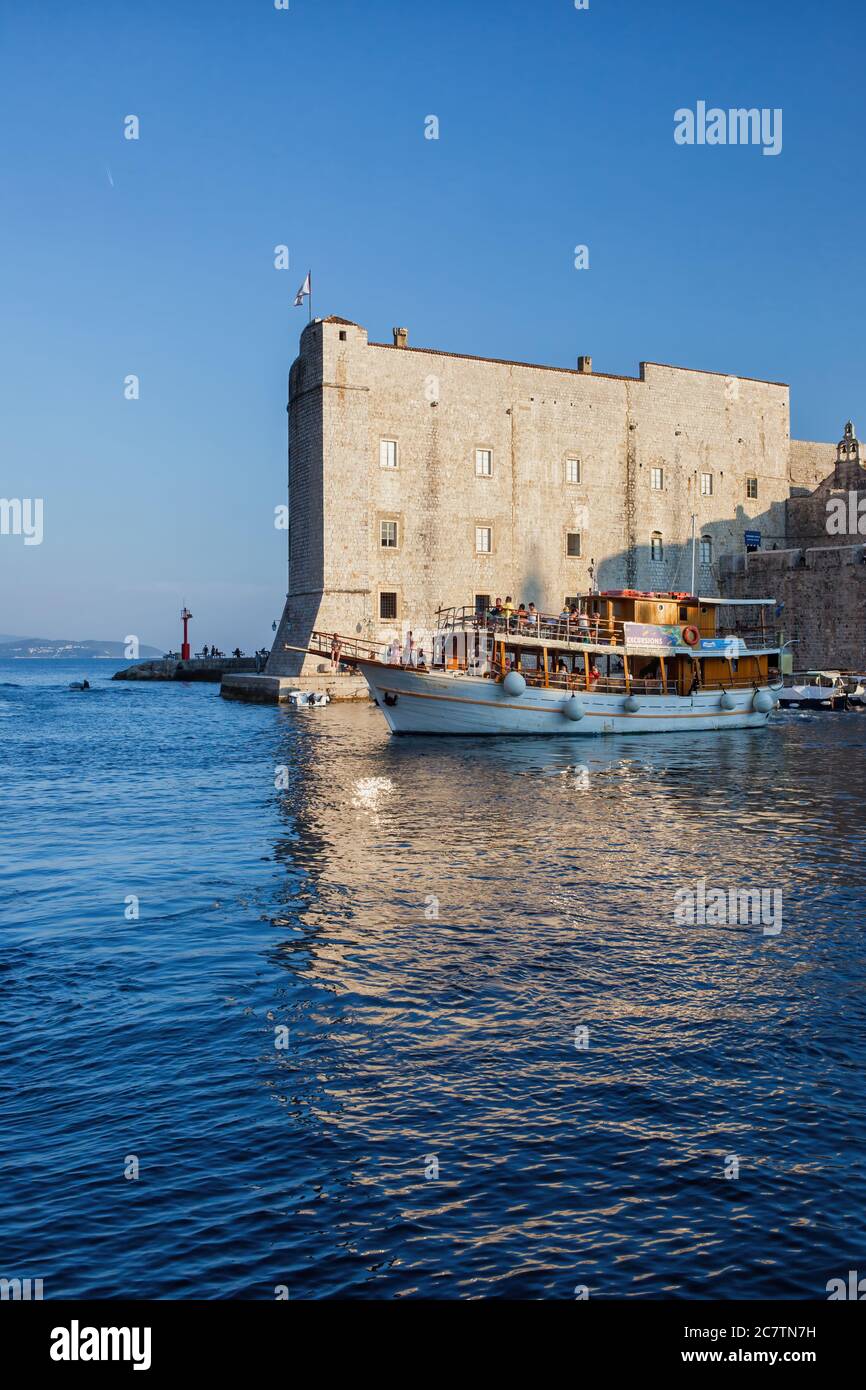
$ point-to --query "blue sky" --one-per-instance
(306, 127)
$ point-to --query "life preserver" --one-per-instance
(691, 636)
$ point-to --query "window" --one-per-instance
(706, 550)
(342, 335)
(388, 534)
(657, 550)
(387, 606)
(572, 544)
(571, 601)
(657, 479)
(572, 470)
(751, 487)
(483, 463)
(483, 539)
(706, 484)
(387, 453)
(482, 605)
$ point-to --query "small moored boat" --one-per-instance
(814, 690)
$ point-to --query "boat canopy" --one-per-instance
(738, 602)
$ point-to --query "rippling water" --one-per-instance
(425, 924)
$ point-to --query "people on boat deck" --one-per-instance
(508, 609)
(583, 627)
(521, 613)
(497, 610)
(532, 614)
(594, 674)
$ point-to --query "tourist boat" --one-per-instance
(621, 662)
(815, 690)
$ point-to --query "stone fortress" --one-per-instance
(420, 478)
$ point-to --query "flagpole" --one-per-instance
(310, 278)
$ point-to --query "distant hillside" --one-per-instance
(14, 648)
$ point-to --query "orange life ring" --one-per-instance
(691, 636)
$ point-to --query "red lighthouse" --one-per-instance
(184, 651)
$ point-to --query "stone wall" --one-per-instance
(822, 591)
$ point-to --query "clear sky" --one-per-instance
(305, 127)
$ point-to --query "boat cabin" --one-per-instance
(618, 640)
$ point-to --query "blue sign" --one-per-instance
(753, 538)
(714, 644)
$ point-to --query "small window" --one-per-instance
(657, 479)
(572, 544)
(388, 534)
(706, 484)
(571, 601)
(657, 550)
(751, 487)
(387, 606)
(483, 539)
(572, 470)
(706, 550)
(387, 453)
(482, 605)
(342, 335)
(483, 463)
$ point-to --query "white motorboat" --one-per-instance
(814, 690)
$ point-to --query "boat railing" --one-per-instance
(337, 647)
(579, 628)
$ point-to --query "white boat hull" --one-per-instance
(434, 702)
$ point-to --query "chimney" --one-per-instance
(401, 337)
(584, 364)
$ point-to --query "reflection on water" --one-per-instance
(426, 924)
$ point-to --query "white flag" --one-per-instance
(306, 288)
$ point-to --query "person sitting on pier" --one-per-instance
(237, 652)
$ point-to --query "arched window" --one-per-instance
(657, 550)
(706, 550)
